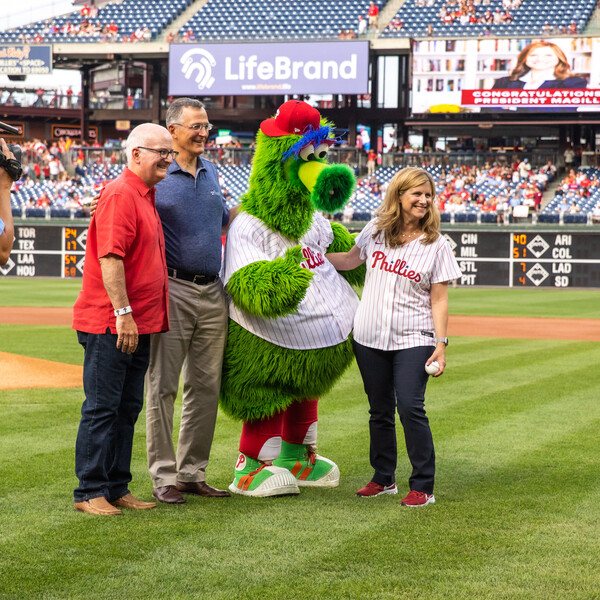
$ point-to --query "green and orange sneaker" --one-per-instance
(256, 478)
(307, 466)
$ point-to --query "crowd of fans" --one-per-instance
(60, 174)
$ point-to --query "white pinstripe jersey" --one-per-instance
(326, 313)
(395, 308)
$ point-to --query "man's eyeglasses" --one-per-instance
(164, 153)
(196, 126)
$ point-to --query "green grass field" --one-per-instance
(516, 429)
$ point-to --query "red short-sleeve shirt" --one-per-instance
(125, 224)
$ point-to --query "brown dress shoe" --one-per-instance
(129, 501)
(201, 488)
(98, 506)
(168, 494)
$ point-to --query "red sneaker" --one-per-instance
(374, 489)
(415, 498)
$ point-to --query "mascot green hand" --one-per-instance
(291, 312)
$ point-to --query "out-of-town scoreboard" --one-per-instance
(527, 258)
(516, 258)
(47, 251)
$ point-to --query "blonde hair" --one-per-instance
(390, 220)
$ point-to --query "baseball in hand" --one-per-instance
(432, 368)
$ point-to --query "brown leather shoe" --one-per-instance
(201, 488)
(168, 494)
(98, 506)
(129, 501)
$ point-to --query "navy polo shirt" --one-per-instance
(192, 211)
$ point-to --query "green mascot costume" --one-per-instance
(291, 313)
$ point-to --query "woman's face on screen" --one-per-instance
(541, 59)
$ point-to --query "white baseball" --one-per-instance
(432, 368)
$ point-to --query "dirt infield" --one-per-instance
(22, 372)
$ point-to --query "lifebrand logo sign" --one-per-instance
(253, 69)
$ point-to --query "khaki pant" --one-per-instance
(193, 347)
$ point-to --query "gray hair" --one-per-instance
(139, 136)
(174, 111)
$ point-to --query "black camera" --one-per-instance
(11, 165)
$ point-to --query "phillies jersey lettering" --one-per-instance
(399, 267)
(312, 260)
(395, 308)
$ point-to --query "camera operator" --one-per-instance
(6, 220)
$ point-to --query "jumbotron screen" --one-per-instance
(490, 75)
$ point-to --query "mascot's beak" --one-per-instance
(330, 185)
(309, 173)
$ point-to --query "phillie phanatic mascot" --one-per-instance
(291, 312)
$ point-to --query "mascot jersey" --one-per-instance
(325, 315)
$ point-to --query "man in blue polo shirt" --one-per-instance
(6, 220)
(193, 214)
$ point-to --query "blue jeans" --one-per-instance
(396, 380)
(113, 383)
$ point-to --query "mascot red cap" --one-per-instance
(294, 117)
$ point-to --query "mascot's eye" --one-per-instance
(321, 151)
(307, 153)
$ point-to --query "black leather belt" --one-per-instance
(197, 278)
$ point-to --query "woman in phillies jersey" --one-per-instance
(400, 326)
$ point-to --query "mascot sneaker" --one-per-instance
(256, 478)
(309, 469)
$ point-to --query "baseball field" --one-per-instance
(515, 419)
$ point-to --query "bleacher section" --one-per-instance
(68, 199)
(276, 19)
(128, 16)
(529, 18)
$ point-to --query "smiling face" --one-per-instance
(147, 162)
(186, 139)
(542, 59)
(416, 203)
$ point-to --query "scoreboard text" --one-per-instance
(504, 258)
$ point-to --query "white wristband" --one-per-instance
(119, 312)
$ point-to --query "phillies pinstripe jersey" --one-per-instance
(326, 313)
(395, 308)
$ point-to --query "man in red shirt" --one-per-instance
(122, 301)
(373, 16)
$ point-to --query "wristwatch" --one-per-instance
(119, 312)
(443, 340)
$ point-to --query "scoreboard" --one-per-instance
(527, 258)
(47, 251)
(514, 258)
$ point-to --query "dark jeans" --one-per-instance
(113, 383)
(397, 380)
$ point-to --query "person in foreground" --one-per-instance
(401, 326)
(122, 301)
(6, 219)
(194, 216)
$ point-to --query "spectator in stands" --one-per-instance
(373, 15)
(125, 273)
(362, 25)
(6, 218)
(371, 161)
(541, 65)
(569, 156)
(193, 214)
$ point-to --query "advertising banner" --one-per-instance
(482, 75)
(269, 68)
(23, 59)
